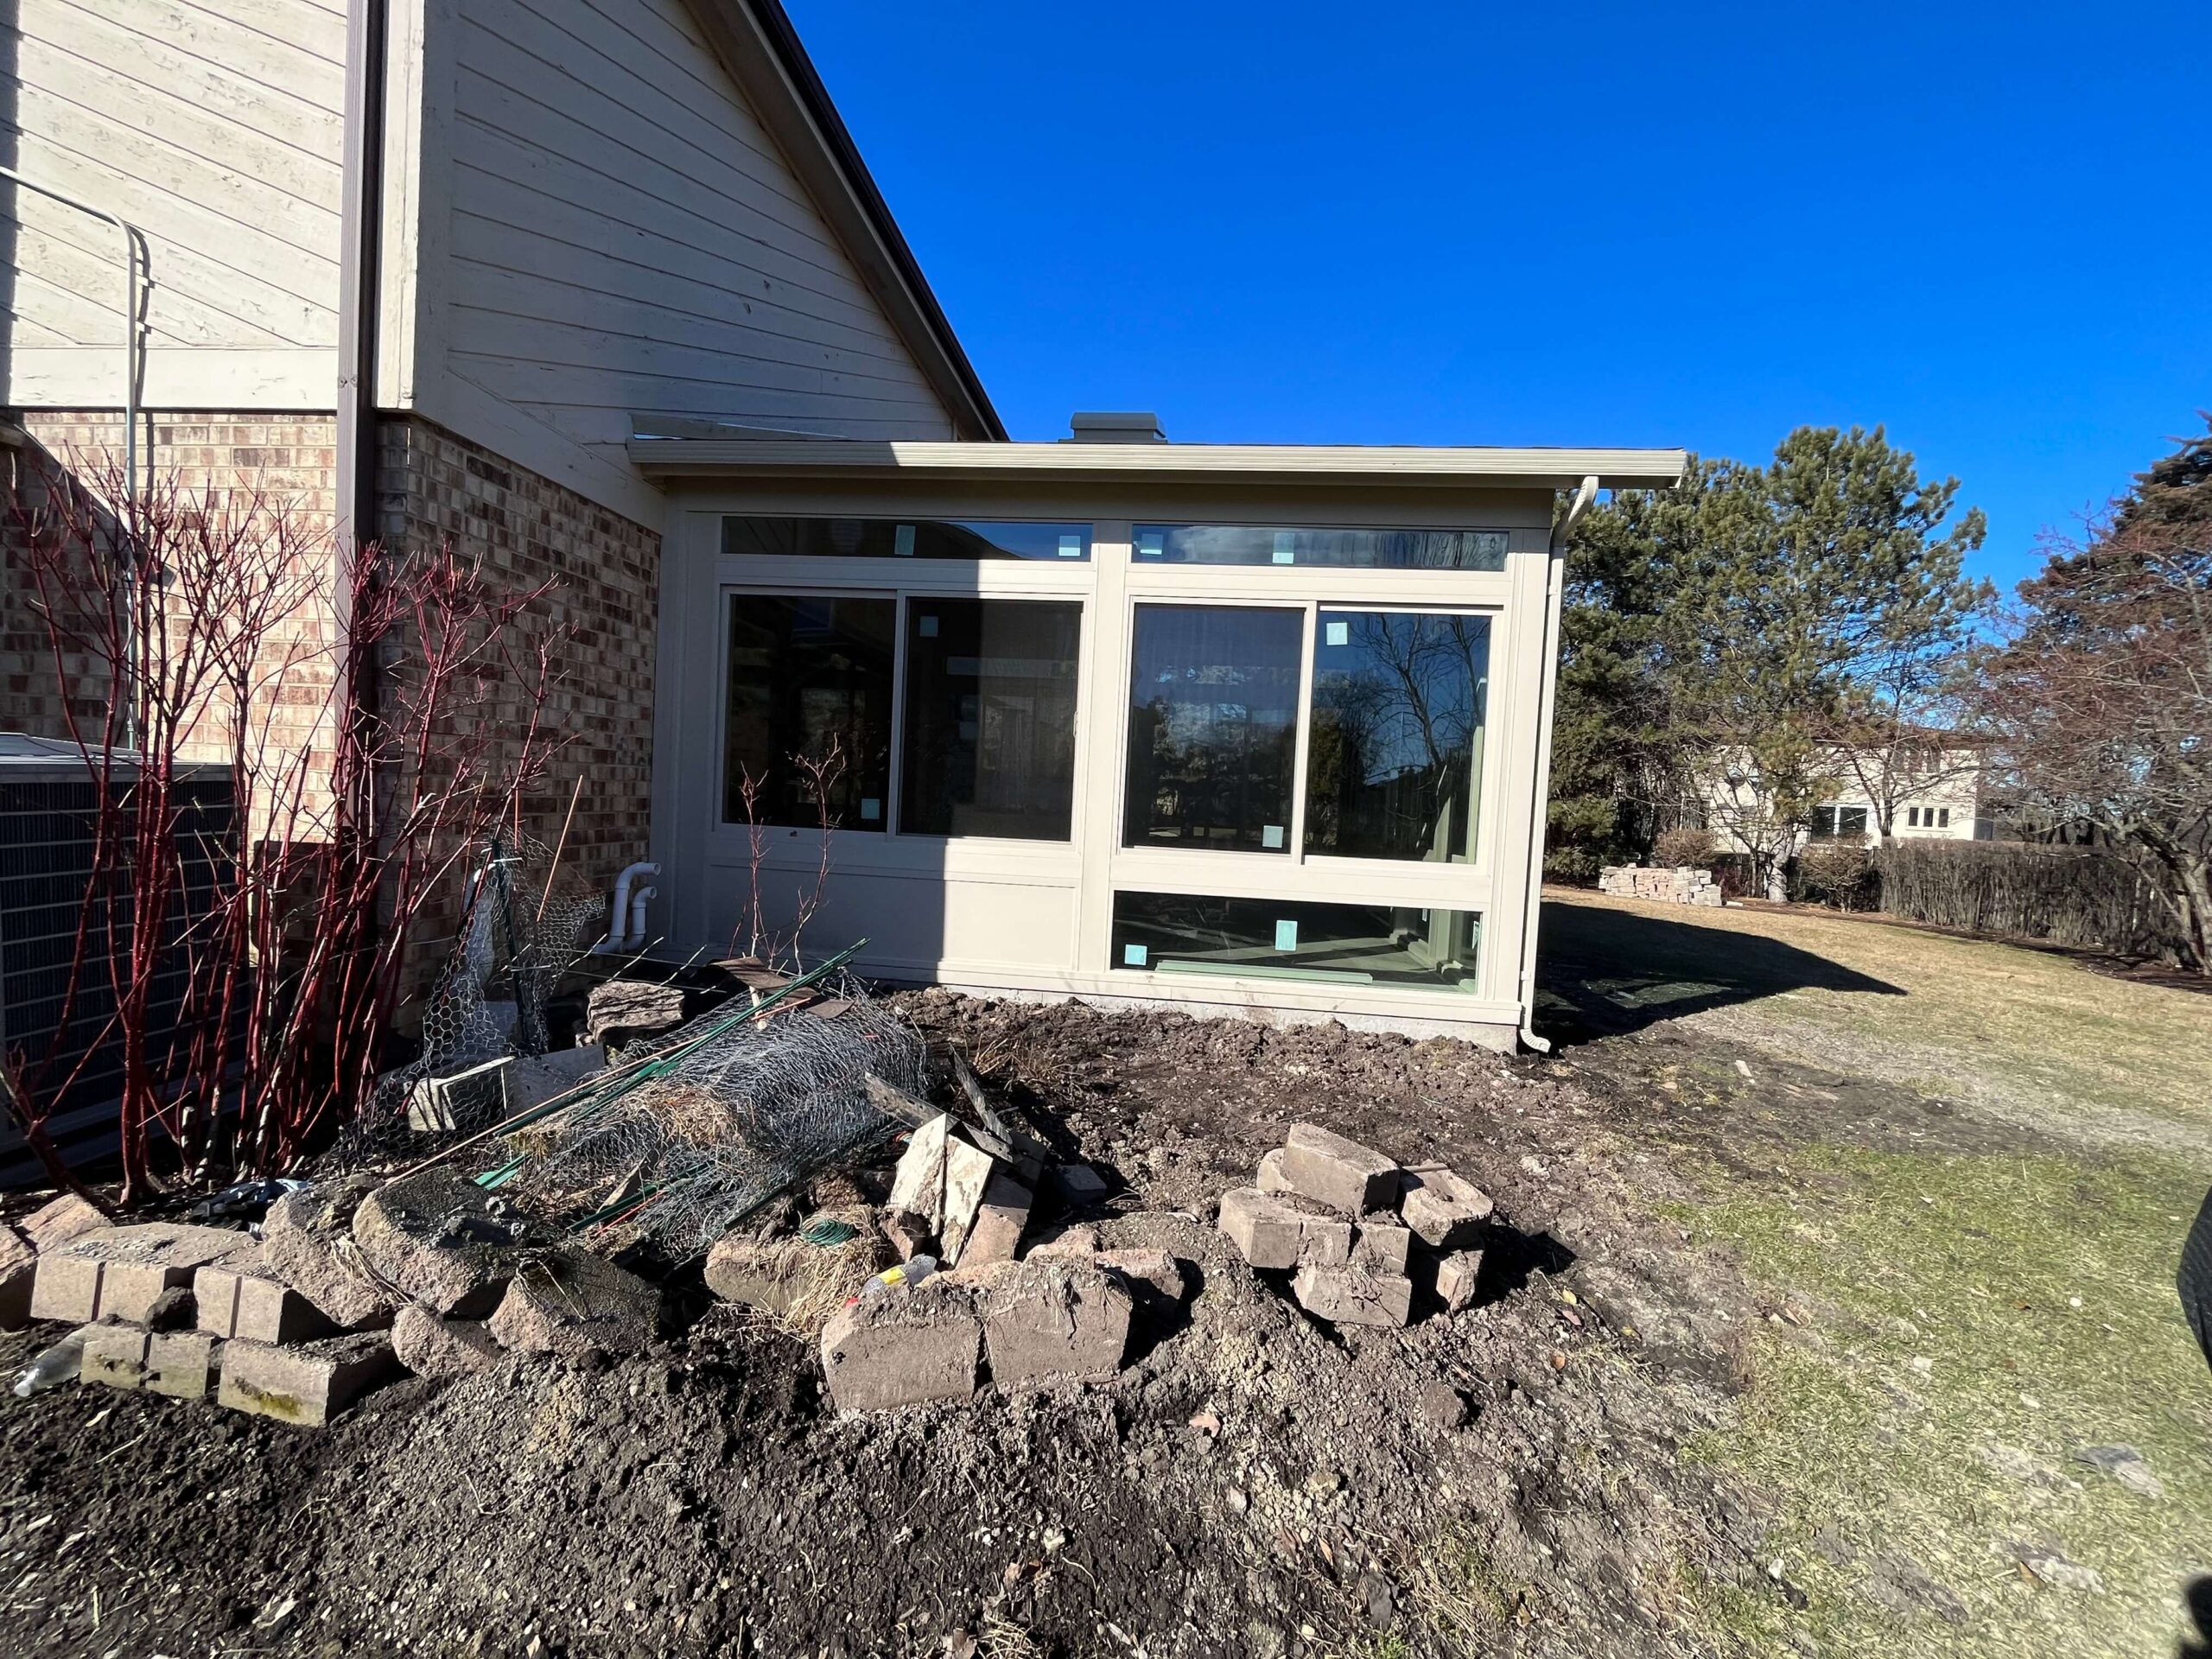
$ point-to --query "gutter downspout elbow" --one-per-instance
(1555, 601)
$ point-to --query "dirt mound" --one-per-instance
(1252, 1482)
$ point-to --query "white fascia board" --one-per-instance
(837, 458)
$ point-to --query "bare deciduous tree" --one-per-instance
(2102, 695)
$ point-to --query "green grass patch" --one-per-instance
(1977, 1321)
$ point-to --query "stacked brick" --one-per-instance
(1684, 885)
(1361, 1236)
(351, 1283)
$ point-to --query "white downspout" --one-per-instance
(617, 932)
(1554, 600)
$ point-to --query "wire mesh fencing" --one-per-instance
(731, 1113)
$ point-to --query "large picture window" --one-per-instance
(809, 675)
(1267, 938)
(1378, 549)
(911, 538)
(1394, 746)
(990, 718)
(1213, 727)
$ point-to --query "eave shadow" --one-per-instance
(1601, 972)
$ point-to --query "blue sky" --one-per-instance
(1983, 226)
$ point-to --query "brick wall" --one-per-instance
(432, 486)
(287, 460)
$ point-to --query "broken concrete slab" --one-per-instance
(18, 1270)
(440, 1239)
(1455, 1279)
(1446, 1211)
(996, 1234)
(1279, 1230)
(1079, 1240)
(115, 1356)
(918, 1184)
(61, 1222)
(1353, 1295)
(576, 1305)
(431, 1346)
(1382, 1244)
(909, 1234)
(1327, 1167)
(308, 1242)
(1044, 1320)
(967, 1174)
(180, 1364)
(461, 1100)
(788, 1278)
(1146, 1270)
(903, 1348)
(1272, 1180)
(632, 1007)
(120, 1272)
(307, 1385)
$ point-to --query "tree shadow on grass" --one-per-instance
(1602, 972)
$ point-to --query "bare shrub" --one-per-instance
(2088, 897)
(1839, 874)
(1685, 847)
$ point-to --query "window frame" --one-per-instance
(892, 830)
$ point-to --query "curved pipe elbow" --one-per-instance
(619, 922)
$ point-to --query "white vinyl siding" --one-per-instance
(216, 125)
(625, 237)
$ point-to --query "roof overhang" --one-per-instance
(788, 460)
(760, 51)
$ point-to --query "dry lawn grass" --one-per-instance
(1987, 1316)
(2031, 1036)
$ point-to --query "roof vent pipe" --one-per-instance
(1108, 426)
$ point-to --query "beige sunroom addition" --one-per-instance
(1235, 727)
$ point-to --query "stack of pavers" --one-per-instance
(1361, 1235)
(1684, 884)
(352, 1282)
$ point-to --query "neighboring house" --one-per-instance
(600, 290)
(1930, 793)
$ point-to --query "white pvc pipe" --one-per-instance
(618, 929)
(637, 938)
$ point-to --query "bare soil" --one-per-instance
(1505, 1479)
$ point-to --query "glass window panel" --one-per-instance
(892, 538)
(990, 718)
(1396, 753)
(1264, 939)
(1213, 727)
(1377, 549)
(807, 674)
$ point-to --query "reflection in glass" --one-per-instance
(806, 673)
(889, 539)
(1267, 938)
(1212, 728)
(1378, 549)
(1397, 734)
(990, 718)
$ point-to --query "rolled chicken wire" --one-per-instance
(698, 1147)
